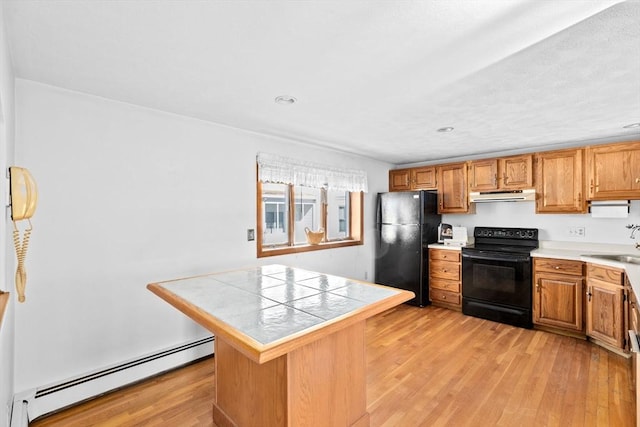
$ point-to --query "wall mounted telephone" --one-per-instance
(23, 194)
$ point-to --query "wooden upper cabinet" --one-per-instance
(400, 180)
(506, 173)
(613, 171)
(453, 196)
(516, 172)
(423, 178)
(559, 182)
(483, 175)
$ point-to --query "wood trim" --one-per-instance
(284, 250)
(259, 229)
(356, 217)
(4, 301)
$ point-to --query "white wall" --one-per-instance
(129, 196)
(552, 226)
(6, 253)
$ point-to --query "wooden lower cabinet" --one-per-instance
(606, 306)
(445, 278)
(634, 310)
(557, 294)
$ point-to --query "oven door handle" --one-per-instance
(496, 256)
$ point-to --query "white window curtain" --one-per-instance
(284, 170)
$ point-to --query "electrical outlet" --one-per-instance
(251, 234)
(576, 231)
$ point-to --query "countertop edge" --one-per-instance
(445, 247)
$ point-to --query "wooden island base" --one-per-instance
(319, 384)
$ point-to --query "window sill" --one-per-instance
(4, 299)
(284, 250)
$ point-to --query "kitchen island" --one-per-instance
(289, 346)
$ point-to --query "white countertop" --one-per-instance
(582, 252)
(443, 246)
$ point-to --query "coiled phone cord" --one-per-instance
(21, 253)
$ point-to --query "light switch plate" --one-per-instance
(251, 234)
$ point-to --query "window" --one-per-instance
(279, 232)
(286, 210)
(275, 205)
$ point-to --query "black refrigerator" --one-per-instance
(407, 221)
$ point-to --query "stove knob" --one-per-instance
(510, 233)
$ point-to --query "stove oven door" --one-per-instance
(497, 277)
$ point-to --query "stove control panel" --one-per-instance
(506, 233)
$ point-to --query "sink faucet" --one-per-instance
(634, 228)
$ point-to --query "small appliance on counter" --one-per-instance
(458, 237)
(445, 232)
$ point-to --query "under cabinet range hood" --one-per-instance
(502, 196)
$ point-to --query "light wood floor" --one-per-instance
(426, 367)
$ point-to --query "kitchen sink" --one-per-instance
(632, 259)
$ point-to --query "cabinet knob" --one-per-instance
(637, 180)
(557, 267)
(444, 256)
(444, 270)
(444, 297)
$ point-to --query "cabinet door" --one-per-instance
(452, 188)
(613, 171)
(424, 178)
(634, 310)
(483, 175)
(517, 172)
(557, 301)
(400, 180)
(559, 183)
(605, 312)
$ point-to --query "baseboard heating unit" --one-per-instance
(51, 398)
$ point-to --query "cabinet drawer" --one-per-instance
(444, 270)
(558, 266)
(438, 295)
(605, 274)
(444, 255)
(444, 285)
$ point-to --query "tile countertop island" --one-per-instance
(289, 347)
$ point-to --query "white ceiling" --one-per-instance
(370, 77)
